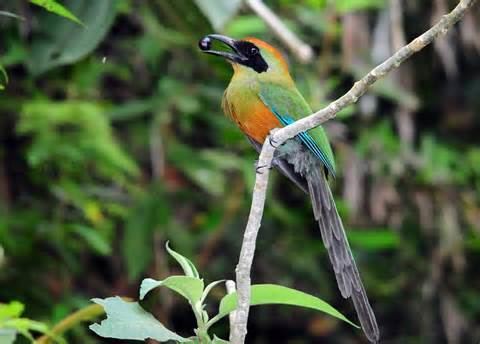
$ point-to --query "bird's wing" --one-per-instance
(288, 105)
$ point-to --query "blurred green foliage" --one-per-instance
(112, 141)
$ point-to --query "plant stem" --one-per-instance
(87, 313)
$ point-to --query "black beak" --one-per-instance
(205, 45)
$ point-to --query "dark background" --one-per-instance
(112, 141)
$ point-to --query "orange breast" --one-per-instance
(253, 118)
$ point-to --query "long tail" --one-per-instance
(335, 241)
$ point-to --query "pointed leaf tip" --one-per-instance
(188, 267)
(190, 288)
(264, 294)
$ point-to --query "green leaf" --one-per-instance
(190, 288)
(94, 239)
(356, 5)
(55, 7)
(11, 310)
(128, 320)
(4, 74)
(62, 42)
(218, 12)
(150, 214)
(7, 335)
(217, 340)
(209, 288)
(374, 239)
(264, 294)
(186, 264)
(246, 25)
(11, 324)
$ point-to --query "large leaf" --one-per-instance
(218, 12)
(63, 42)
(127, 320)
(190, 288)
(55, 7)
(7, 335)
(267, 294)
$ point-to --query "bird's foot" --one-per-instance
(272, 141)
(259, 169)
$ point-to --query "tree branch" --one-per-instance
(279, 136)
(300, 49)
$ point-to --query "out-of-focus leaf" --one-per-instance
(128, 320)
(4, 75)
(390, 90)
(438, 161)
(374, 239)
(151, 213)
(11, 323)
(93, 238)
(190, 288)
(11, 310)
(205, 167)
(71, 135)
(130, 110)
(55, 7)
(188, 267)
(268, 294)
(218, 12)
(7, 335)
(63, 42)
(356, 5)
(246, 25)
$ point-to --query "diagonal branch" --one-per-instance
(300, 49)
(279, 136)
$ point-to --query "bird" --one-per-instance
(262, 96)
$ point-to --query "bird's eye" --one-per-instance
(253, 51)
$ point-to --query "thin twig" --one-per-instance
(300, 49)
(279, 136)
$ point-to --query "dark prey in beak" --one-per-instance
(205, 44)
(242, 52)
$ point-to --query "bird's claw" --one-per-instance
(273, 142)
(259, 169)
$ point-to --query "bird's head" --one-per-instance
(249, 54)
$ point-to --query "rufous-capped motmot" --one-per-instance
(262, 96)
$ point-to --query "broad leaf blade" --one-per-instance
(186, 264)
(55, 7)
(190, 288)
(7, 335)
(127, 320)
(265, 294)
(62, 42)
